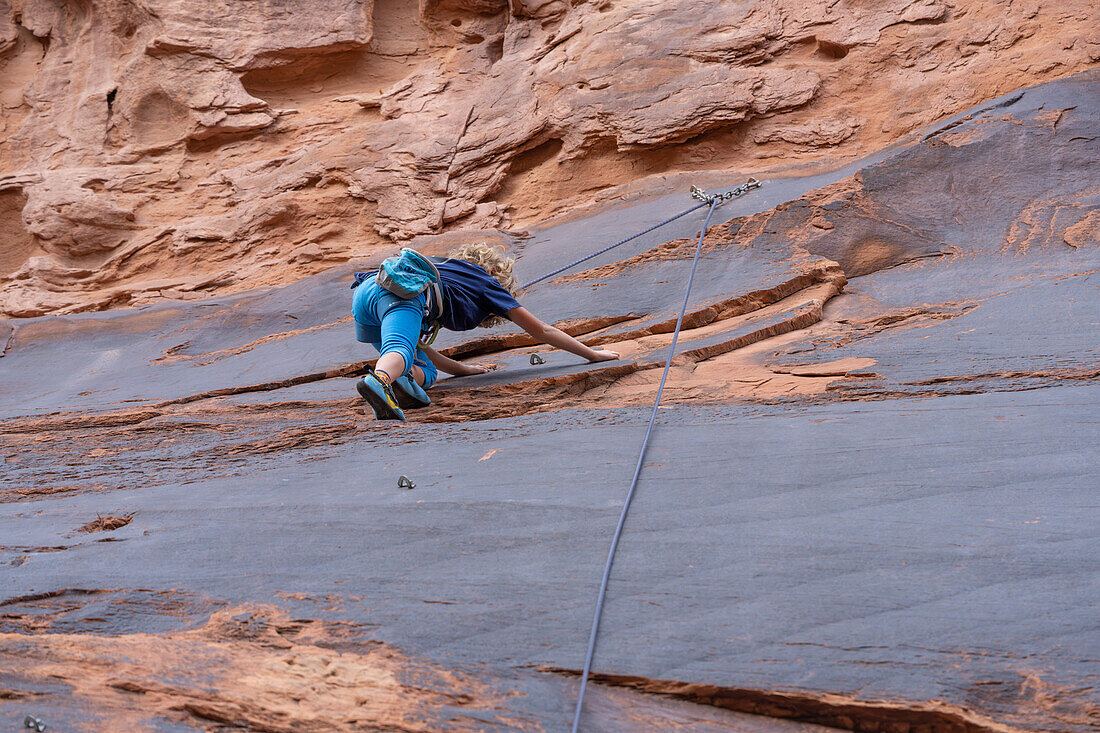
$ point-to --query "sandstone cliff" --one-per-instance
(869, 501)
(173, 149)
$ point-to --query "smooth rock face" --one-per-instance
(869, 501)
(200, 147)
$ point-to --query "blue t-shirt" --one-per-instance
(470, 295)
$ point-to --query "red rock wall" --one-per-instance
(193, 146)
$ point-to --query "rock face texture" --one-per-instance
(176, 149)
(868, 503)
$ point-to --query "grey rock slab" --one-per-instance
(879, 559)
(885, 541)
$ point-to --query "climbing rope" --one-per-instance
(610, 247)
(696, 193)
(711, 200)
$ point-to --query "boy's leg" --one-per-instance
(399, 331)
(417, 371)
(400, 321)
(368, 329)
(423, 370)
(367, 326)
(391, 364)
(410, 388)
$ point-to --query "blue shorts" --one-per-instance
(391, 323)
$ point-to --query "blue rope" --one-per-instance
(638, 468)
(613, 246)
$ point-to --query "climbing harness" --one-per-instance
(427, 338)
(405, 483)
(711, 200)
(536, 360)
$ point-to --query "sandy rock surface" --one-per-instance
(176, 150)
(869, 500)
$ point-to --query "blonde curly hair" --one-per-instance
(494, 262)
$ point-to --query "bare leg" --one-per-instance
(394, 361)
(393, 364)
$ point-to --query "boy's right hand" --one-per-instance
(604, 355)
(472, 369)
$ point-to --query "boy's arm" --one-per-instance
(457, 368)
(548, 334)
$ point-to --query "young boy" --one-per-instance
(478, 291)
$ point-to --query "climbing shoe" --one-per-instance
(410, 395)
(380, 397)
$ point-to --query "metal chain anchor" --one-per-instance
(405, 483)
(700, 195)
(34, 723)
(536, 360)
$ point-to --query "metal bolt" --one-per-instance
(405, 483)
(536, 359)
(34, 723)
